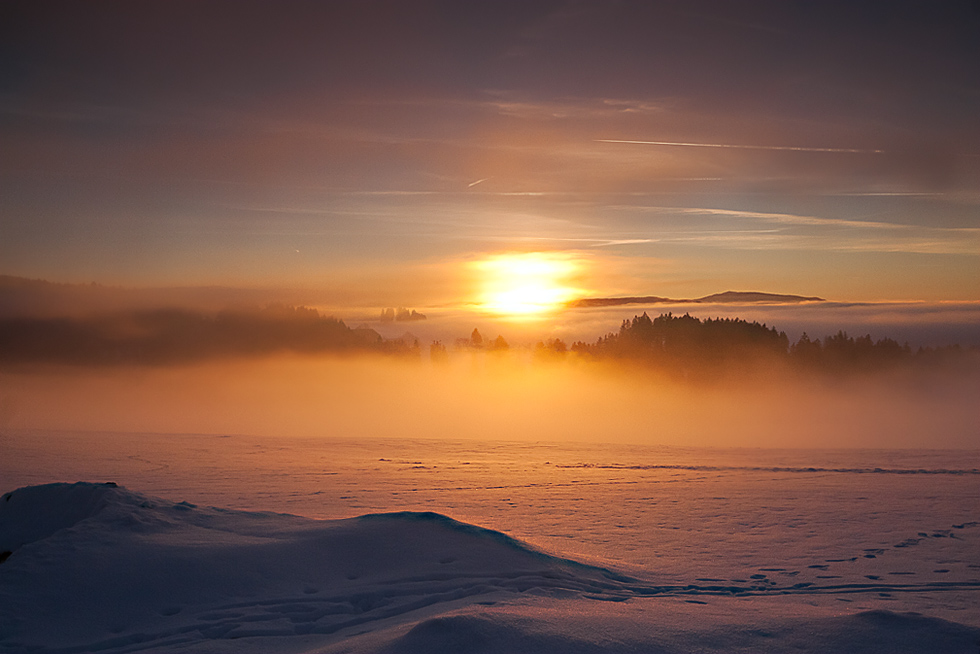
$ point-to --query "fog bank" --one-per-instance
(498, 395)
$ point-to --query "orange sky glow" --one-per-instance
(362, 155)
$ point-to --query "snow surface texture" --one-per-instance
(95, 567)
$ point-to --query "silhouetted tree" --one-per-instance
(404, 315)
(438, 353)
(806, 352)
(552, 347)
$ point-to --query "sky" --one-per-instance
(381, 153)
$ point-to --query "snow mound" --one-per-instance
(116, 570)
(873, 632)
(95, 567)
(34, 513)
(459, 634)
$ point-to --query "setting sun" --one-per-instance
(527, 284)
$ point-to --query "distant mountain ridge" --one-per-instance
(756, 296)
(728, 297)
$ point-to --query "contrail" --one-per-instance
(479, 181)
(793, 148)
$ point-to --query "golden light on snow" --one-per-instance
(527, 284)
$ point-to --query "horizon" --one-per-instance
(917, 323)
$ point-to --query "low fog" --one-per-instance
(511, 395)
(284, 371)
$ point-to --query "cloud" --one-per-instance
(789, 219)
(797, 231)
(793, 148)
(509, 104)
(563, 241)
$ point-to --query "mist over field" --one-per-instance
(712, 375)
(512, 395)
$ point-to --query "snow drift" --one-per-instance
(96, 567)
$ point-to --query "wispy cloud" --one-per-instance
(792, 148)
(507, 104)
(625, 241)
(787, 218)
(760, 230)
(777, 240)
(887, 194)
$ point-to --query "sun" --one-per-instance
(527, 284)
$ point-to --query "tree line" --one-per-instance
(678, 344)
(692, 345)
(165, 336)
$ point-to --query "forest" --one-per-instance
(687, 344)
(166, 336)
(683, 345)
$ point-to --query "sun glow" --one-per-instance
(527, 285)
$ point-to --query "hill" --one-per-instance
(728, 297)
(756, 296)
